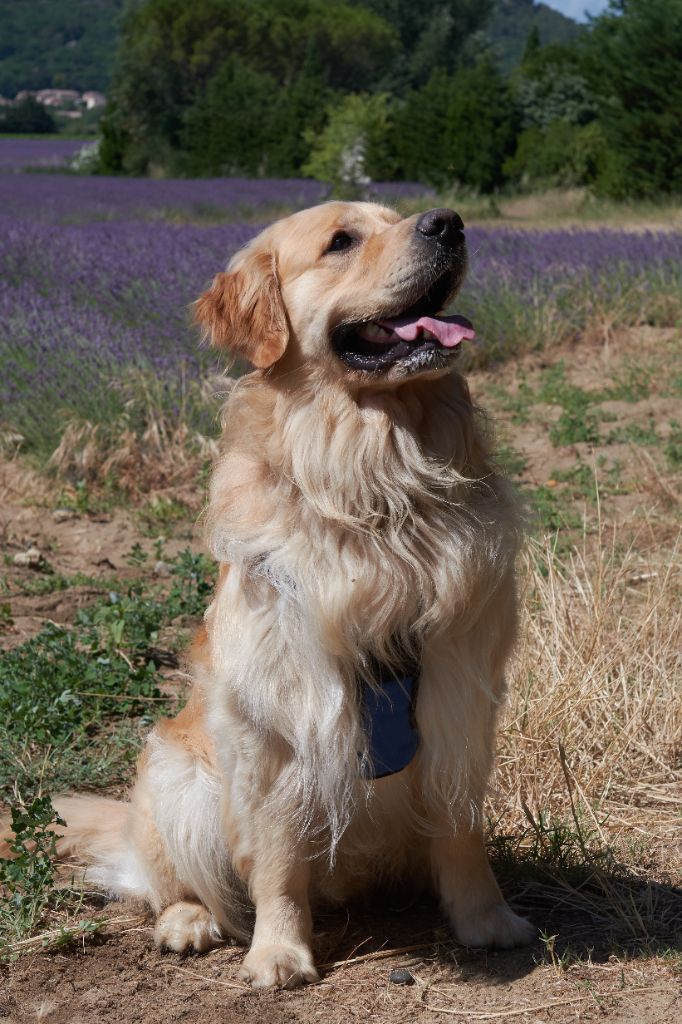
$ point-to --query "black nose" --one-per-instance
(443, 225)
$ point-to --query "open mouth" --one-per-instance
(415, 337)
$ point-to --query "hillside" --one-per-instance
(72, 43)
(61, 43)
(511, 22)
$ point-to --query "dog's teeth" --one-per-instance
(373, 332)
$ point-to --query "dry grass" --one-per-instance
(590, 759)
(147, 448)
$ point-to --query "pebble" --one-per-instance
(401, 976)
(60, 515)
(162, 568)
(32, 558)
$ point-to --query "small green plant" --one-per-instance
(634, 433)
(85, 501)
(577, 423)
(28, 876)
(631, 384)
(161, 515)
(574, 427)
(5, 615)
(673, 446)
(511, 461)
(53, 582)
(518, 403)
(580, 478)
(137, 556)
(547, 511)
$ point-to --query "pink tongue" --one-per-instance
(450, 330)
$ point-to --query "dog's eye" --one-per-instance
(341, 240)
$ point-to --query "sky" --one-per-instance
(576, 8)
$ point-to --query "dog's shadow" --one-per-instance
(581, 914)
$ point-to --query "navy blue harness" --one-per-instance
(388, 712)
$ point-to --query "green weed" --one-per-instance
(577, 423)
(580, 479)
(631, 384)
(52, 582)
(518, 403)
(511, 461)
(161, 515)
(673, 446)
(547, 512)
(634, 433)
(28, 877)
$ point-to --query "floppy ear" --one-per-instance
(243, 311)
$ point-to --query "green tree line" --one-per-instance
(350, 90)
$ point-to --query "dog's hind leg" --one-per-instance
(187, 925)
(471, 896)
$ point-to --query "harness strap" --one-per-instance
(388, 712)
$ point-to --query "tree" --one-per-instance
(27, 116)
(481, 126)
(229, 131)
(457, 128)
(418, 132)
(175, 59)
(341, 153)
(632, 58)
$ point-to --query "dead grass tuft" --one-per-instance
(594, 730)
(148, 448)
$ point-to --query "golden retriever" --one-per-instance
(365, 543)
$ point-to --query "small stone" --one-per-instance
(162, 568)
(401, 976)
(60, 515)
(31, 559)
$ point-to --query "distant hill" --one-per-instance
(512, 21)
(62, 43)
(72, 43)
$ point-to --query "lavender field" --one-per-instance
(96, 276)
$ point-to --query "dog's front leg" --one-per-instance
(280, 953)
(462, 685)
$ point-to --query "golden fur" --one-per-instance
(355, 516)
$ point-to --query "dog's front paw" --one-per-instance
(187, 926)
(278, 965)
(498, 927)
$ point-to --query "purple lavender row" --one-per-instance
(80, 304)
(65, 199)
(16, 154)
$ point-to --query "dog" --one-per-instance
(346, 681)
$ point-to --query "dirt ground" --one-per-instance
(123, 978)
(572, 974)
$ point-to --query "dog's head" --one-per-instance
(349, 288)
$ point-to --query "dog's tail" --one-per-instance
(96, 835)
(94, 830)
